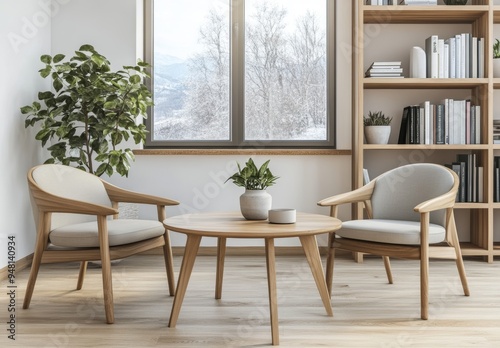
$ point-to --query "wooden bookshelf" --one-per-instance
(476, 222)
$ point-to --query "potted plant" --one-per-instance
(255, 203)
(377, 128)
(91, 111)
(496, 58)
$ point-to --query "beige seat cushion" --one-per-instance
(389, 231)
(120, 231)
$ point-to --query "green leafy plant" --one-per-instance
(92, 111)
(377, 119)
(496, 49)
(252, 178)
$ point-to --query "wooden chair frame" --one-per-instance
(420, 252)
(47, 204)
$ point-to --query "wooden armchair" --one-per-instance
(71, 210)
(409, 209)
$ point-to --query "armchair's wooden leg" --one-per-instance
(35, 266)
(81, 274)
(41, 243)
(387, 264)
(106, 269)
(329, 263)
(458, 253)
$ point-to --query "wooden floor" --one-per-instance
(368, 312)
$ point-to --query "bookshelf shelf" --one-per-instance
(475, 221)
(412, 83)
(399, 147)
(424, 14)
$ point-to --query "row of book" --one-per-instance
(470, 174)
(384, 69)
(496, 131)
(401, 2)
(461, 56)
(450, 122)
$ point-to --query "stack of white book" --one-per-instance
(417, 2)
(385, 69)
(378, 2)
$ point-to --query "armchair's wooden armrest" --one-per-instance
(361, 194)
(118, 194)
(50, 203)
(444, 201)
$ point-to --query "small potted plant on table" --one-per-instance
(255, 203)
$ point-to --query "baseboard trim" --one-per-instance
(21, 264)
(25, 262)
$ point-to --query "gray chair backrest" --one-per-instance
(399, 190)
(72, 183)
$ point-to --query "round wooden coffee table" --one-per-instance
(224, 225)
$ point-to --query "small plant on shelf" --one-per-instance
(377, 119)
(496, 49)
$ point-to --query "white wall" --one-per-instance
(28, 31)
(25, 33)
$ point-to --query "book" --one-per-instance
(366, 176)
(431, 51)
(388, 63)
(440, 47)
(452, 57)
(466, 160)
(480, 184)
(403, 130)
(480, 58)
(440, 124)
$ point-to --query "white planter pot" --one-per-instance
(496, 67)
(377, 134)
(255, 204)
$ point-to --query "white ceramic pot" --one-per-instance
(377, 134)
(255, 204)
(496, 67)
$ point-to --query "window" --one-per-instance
(241, 73)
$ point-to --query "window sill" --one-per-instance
(209, 152)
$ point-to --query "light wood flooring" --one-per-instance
(368, 312)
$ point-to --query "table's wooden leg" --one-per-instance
(271, 283)
(192, 246)
(221, 254)
(311, 250)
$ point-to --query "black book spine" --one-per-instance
(404, 126)
(466, 177)
(418, 119)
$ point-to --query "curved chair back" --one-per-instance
(399, 190)
(72, 183)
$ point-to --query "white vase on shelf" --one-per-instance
(377, 134)
(496, 67)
